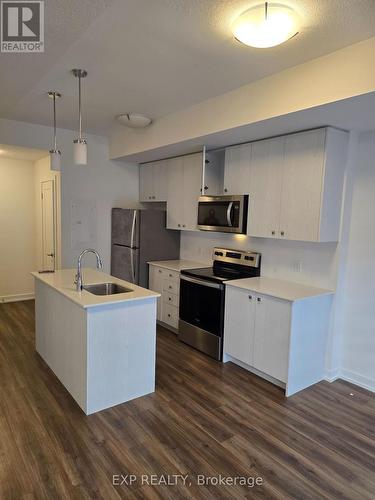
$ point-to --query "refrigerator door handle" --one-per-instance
(133, 229)
(132, 265)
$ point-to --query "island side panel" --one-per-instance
(308, 342)
(121, 353)
(61, 339)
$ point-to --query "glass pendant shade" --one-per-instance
(55, 160)
(80, 152)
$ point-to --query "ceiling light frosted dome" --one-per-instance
(266, 25)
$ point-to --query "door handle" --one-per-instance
(50, 254)
(229, 210)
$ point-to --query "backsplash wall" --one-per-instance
(313, 264)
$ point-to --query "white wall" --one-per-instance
(17, 228)
(358, 340)
(279, 258)
(102, 183)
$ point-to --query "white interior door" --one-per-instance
(48, 225)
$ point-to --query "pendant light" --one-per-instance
(266, 25)
(80, 144)
(54, 154)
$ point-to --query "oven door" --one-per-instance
(201, 321)
(223, 213)
(202, 304)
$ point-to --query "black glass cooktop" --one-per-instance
(220, 274)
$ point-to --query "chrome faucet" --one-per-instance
(99, 264)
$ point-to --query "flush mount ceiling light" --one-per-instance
(55, 153)
(80, 144)
(134, 120)
(266, 25)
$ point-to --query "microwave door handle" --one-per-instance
(229, 210)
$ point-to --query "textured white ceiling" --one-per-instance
(158, 56)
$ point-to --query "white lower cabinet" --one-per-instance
(240, 325)
(257, 331)
(167, 283)
(271, 339)
(281, 340)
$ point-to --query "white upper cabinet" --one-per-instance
(184, 189)
(237, 169)
(265, 192)
(301, 191)
(153, 180)
(297, 186)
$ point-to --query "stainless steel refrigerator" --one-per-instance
(139, 236)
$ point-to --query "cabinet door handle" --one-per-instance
(259, 299)
(179, 225)
(273, 233)
(153, 197)
(169, 299)
(205, 188)
(282, 233)
(169, 315)
(159, 270)
(183, 225)
(170, 287)
(225, 190)
(250, 297)
(171, 275)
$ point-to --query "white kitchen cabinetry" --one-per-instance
(240, 323)
(153, 181)
(271, 340)
(237, 169)
(265, 193)
(297, 185)
(282, 340)
(184, 189)
(167, 283)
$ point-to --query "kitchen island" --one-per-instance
(101, 347)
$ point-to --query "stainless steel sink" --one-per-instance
(106, 289)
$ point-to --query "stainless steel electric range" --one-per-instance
(202, 298)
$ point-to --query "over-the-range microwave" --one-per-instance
(226, 214)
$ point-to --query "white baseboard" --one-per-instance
(17, 298)
(352, 377)
(332, 375)
(357, 379)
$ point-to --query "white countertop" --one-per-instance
(280, 289)
(63, 282)
(178, 265)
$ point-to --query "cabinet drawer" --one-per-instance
(170, 315)
(171, 299)
(171, 286)
(171, 275)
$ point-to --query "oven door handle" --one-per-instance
(202, 282)
(229, 210)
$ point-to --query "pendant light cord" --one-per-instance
(79, 105)
(266, 10)
(54, 121)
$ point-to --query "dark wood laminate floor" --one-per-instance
(205, 418)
